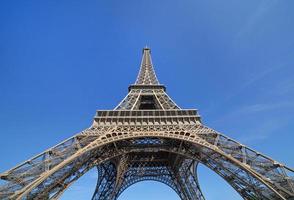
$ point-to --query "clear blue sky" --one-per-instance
(62, 60)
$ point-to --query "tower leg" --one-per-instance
(187, 182)
(106, 181)
(111, 176)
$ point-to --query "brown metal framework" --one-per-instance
(147, 137)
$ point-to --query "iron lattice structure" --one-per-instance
(148, 137)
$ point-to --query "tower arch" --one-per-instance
(148, 136)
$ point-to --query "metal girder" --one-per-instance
(136, 167)
(148, 137)
(146, 74)
(242, 176)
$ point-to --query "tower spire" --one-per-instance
(146, 74)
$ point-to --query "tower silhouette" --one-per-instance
(148, 137)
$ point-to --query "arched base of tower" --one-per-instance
(174, 170)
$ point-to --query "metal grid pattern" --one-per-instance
(146, 75)
(128, 145)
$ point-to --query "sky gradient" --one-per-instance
(62, 60)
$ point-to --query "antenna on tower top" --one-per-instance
(146, 48)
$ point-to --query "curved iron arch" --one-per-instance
(104, 140)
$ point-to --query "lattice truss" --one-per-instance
(148, 137)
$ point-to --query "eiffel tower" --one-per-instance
(148, 137)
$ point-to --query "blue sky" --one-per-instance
(62, 60)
